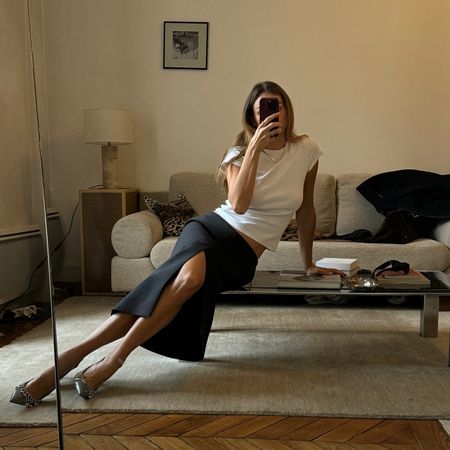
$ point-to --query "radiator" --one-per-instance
(21, 251)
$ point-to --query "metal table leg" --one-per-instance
(429, 316)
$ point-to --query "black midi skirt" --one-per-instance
(230, 263)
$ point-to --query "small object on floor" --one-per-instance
(24, 314)
(26, 311)
(324, 299)
(22, 397)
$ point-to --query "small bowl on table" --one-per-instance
(363, 279)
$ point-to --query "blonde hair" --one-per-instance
(249, 123)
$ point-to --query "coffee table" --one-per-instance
(265, 282)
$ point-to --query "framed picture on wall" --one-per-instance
(185, 45)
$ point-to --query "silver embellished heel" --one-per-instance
(81, 385)
(22, 397)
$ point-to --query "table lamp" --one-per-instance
(108, 128)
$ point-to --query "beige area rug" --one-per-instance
(289, 360)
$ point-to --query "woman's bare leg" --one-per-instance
(112, 329)
(188, 281)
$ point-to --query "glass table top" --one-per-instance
(266, 282)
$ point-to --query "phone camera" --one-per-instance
(272, 105)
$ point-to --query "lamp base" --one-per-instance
(110, 166)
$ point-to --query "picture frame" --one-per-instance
(185, 45)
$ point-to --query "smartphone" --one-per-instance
(267, 107)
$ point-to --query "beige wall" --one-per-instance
(368, 79)
(15, 168)
(20, 181)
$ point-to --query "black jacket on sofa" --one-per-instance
(421, 193)
(413, 202)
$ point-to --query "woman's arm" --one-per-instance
(306, 224)
(241, 180)
(306, 219)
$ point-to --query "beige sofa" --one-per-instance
(341, 209)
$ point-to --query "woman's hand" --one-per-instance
(314, 270)
(241, 180)
(266, 132)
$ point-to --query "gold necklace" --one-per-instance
(273, 159)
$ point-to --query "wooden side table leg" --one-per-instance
(444, 303)
(429, 316)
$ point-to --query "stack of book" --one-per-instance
(298, 279)
(400, 280)
(347, 265)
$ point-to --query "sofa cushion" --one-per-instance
(422, 254)
(127, 273)
(325, 205)
(173, 215)
(204, 194)
(162, 250)
(134, 235)
(442, 232)
(201, 190)
(353, 210)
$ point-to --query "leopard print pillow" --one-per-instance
(173, 215)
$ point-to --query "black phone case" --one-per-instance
(267, 107)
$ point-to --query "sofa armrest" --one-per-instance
(134, 235)
(442, 233)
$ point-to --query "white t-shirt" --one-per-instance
(278, 191)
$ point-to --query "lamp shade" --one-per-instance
(107, 126)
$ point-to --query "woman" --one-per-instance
(269, 174)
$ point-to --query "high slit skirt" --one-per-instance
(230, 264)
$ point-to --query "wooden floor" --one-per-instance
(217, 432)
(207, 432)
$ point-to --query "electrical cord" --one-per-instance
(57, 247)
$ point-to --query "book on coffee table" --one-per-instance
(344, 264)
(400, 280)
(300, 280)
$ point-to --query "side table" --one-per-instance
(100, 210)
